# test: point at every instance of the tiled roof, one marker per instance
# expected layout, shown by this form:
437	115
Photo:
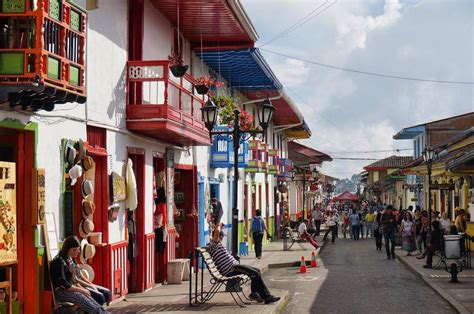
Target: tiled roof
390	162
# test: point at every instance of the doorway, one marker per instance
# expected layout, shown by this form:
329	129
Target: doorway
160	209
136	220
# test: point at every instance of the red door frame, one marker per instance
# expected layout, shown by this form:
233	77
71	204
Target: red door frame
137	282
26	283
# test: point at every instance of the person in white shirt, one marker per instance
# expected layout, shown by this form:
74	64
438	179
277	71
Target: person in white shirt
445	223
331	222
303	231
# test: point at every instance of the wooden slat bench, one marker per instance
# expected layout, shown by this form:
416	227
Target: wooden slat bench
217	281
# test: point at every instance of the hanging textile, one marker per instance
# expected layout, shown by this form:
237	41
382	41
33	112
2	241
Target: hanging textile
132	200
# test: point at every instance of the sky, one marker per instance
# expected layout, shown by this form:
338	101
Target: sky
352	114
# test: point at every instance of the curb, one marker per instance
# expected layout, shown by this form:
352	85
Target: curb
455	303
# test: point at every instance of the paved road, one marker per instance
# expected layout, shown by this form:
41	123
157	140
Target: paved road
355	278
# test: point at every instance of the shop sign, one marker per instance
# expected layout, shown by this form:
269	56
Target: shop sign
442	186
8	219
414	199
38	196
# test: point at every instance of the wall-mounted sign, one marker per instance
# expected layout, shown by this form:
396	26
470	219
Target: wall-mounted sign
8	225
38	196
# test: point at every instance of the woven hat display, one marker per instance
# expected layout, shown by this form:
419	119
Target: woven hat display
70	153
88	206
75	173
87	250
87	188
81	151
86	226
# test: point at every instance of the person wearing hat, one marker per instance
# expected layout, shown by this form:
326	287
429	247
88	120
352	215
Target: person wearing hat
217	211
66	287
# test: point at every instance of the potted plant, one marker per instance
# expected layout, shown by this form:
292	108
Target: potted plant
245	120
176	65
203	83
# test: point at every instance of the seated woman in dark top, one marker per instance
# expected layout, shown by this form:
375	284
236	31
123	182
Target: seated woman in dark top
66	288
436	243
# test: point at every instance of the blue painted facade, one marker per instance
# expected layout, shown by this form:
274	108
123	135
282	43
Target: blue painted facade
222	151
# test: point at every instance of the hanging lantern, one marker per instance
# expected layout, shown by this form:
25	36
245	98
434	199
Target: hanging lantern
209	114
265	113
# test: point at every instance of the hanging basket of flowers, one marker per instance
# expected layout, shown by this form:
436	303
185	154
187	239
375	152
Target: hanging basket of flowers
203	83
176	65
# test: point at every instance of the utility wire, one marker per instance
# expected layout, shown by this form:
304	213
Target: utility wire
299	23
354	158
369	73
371	151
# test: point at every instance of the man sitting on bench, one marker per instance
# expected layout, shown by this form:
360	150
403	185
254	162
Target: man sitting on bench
228	266
303	230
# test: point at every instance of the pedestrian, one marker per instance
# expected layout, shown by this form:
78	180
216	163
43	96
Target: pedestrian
229	266
418	228
303	231
354	219
407	228
317	217
378	232
425	222
460	221
444	223
389	223
369	224
331	222
217	211
436	244
362	214
345	224
258	229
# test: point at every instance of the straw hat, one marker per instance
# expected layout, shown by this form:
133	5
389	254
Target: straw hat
75	173
87	188
88	206
70	153
89	165
87	251
86	226
88	271
81	151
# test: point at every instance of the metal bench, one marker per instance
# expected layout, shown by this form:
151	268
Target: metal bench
217	281
292	235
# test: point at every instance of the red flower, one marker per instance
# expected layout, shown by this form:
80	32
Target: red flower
207	81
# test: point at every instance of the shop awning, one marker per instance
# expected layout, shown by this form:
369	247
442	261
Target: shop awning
346	196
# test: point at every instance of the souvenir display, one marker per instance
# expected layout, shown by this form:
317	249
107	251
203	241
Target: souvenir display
8	223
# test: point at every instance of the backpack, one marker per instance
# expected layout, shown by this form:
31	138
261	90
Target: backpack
257	225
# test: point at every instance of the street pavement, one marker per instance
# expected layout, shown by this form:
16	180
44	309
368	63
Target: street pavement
355	278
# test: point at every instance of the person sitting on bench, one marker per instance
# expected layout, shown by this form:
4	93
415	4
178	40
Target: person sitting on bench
303	230
66	289
436	244
229	266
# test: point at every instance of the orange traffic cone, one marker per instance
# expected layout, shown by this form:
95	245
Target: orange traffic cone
303	265
313	260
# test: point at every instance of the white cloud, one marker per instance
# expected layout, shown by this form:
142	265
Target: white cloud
291	72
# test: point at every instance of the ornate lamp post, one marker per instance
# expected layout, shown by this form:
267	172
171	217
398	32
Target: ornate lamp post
210	112
428	156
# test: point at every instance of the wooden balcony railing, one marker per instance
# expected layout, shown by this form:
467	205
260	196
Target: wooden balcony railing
154	93
42	49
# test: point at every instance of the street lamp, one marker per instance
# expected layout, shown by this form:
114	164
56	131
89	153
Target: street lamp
209	114
428	156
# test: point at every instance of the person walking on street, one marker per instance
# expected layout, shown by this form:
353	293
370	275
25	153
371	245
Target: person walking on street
362	223
345	224
317	218
354	219
407	228
331	222
378	232
418	227
389	224
425	222
369	224
258	229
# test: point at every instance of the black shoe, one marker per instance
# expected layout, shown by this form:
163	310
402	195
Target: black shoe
427	266
388	256
255	297
420	256
271	299
393	256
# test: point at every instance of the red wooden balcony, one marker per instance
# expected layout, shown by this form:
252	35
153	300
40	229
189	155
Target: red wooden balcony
42	48
162	106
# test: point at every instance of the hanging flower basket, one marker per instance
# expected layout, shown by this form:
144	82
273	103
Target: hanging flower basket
179	70
176	65
282	188
201	89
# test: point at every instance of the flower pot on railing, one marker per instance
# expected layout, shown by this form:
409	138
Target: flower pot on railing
178	70
201	89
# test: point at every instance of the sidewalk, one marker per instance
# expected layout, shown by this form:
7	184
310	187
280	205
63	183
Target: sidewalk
174	298
459	295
